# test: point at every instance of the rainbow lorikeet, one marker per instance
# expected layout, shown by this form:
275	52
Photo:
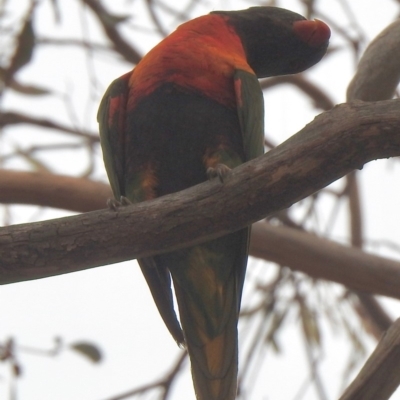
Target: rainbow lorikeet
192	105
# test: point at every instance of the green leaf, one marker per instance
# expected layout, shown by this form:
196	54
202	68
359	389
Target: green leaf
24	49
310	325
88	350
276	323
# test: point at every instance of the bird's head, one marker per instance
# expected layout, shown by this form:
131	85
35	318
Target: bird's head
278	41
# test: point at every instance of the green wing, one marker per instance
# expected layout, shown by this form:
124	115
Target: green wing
112	119
250	108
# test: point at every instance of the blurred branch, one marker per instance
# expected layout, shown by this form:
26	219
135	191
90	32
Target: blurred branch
180	14
321	99
350	134
12	118
378	72
154	17
353	193
379	377
109	23
48	190
324	259
72	42
377	76
165	383
24	47
355	43
371	310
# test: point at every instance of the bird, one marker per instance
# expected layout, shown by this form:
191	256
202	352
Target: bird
191	110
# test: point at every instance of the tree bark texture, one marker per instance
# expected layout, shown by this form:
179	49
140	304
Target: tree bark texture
335	143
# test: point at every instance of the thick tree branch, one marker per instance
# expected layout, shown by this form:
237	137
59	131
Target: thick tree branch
296	249
335	143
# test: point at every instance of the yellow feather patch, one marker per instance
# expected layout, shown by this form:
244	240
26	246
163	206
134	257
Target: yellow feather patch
142	185
222	154
214	351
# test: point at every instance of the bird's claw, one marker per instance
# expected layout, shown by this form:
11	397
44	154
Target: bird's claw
221	171
113	204
125	201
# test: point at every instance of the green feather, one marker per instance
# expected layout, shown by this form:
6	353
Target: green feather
250	108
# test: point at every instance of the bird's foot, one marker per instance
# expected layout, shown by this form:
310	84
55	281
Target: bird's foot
114	204
221	171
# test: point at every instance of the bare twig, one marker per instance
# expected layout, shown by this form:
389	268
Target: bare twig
165	383
157	23
371	310
109	24
72	42
379	377
12	118
321	99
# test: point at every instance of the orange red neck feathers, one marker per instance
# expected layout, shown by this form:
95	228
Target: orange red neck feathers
200	56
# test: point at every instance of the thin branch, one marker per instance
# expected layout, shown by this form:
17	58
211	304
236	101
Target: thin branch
321	99
354	42
157	23
379	377
109	24
72	42
165	383
330	147
371	310
12	118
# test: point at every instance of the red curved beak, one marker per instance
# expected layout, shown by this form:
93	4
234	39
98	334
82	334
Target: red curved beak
314	33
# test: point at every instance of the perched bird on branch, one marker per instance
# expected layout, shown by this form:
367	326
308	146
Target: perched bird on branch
190	110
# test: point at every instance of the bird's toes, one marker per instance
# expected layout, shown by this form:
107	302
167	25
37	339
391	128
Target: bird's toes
114	204
221	171
125	201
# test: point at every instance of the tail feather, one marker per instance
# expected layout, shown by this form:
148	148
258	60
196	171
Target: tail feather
208	282
215	362
220	381
159	281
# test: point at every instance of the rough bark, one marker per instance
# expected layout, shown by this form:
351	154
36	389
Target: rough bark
334	144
